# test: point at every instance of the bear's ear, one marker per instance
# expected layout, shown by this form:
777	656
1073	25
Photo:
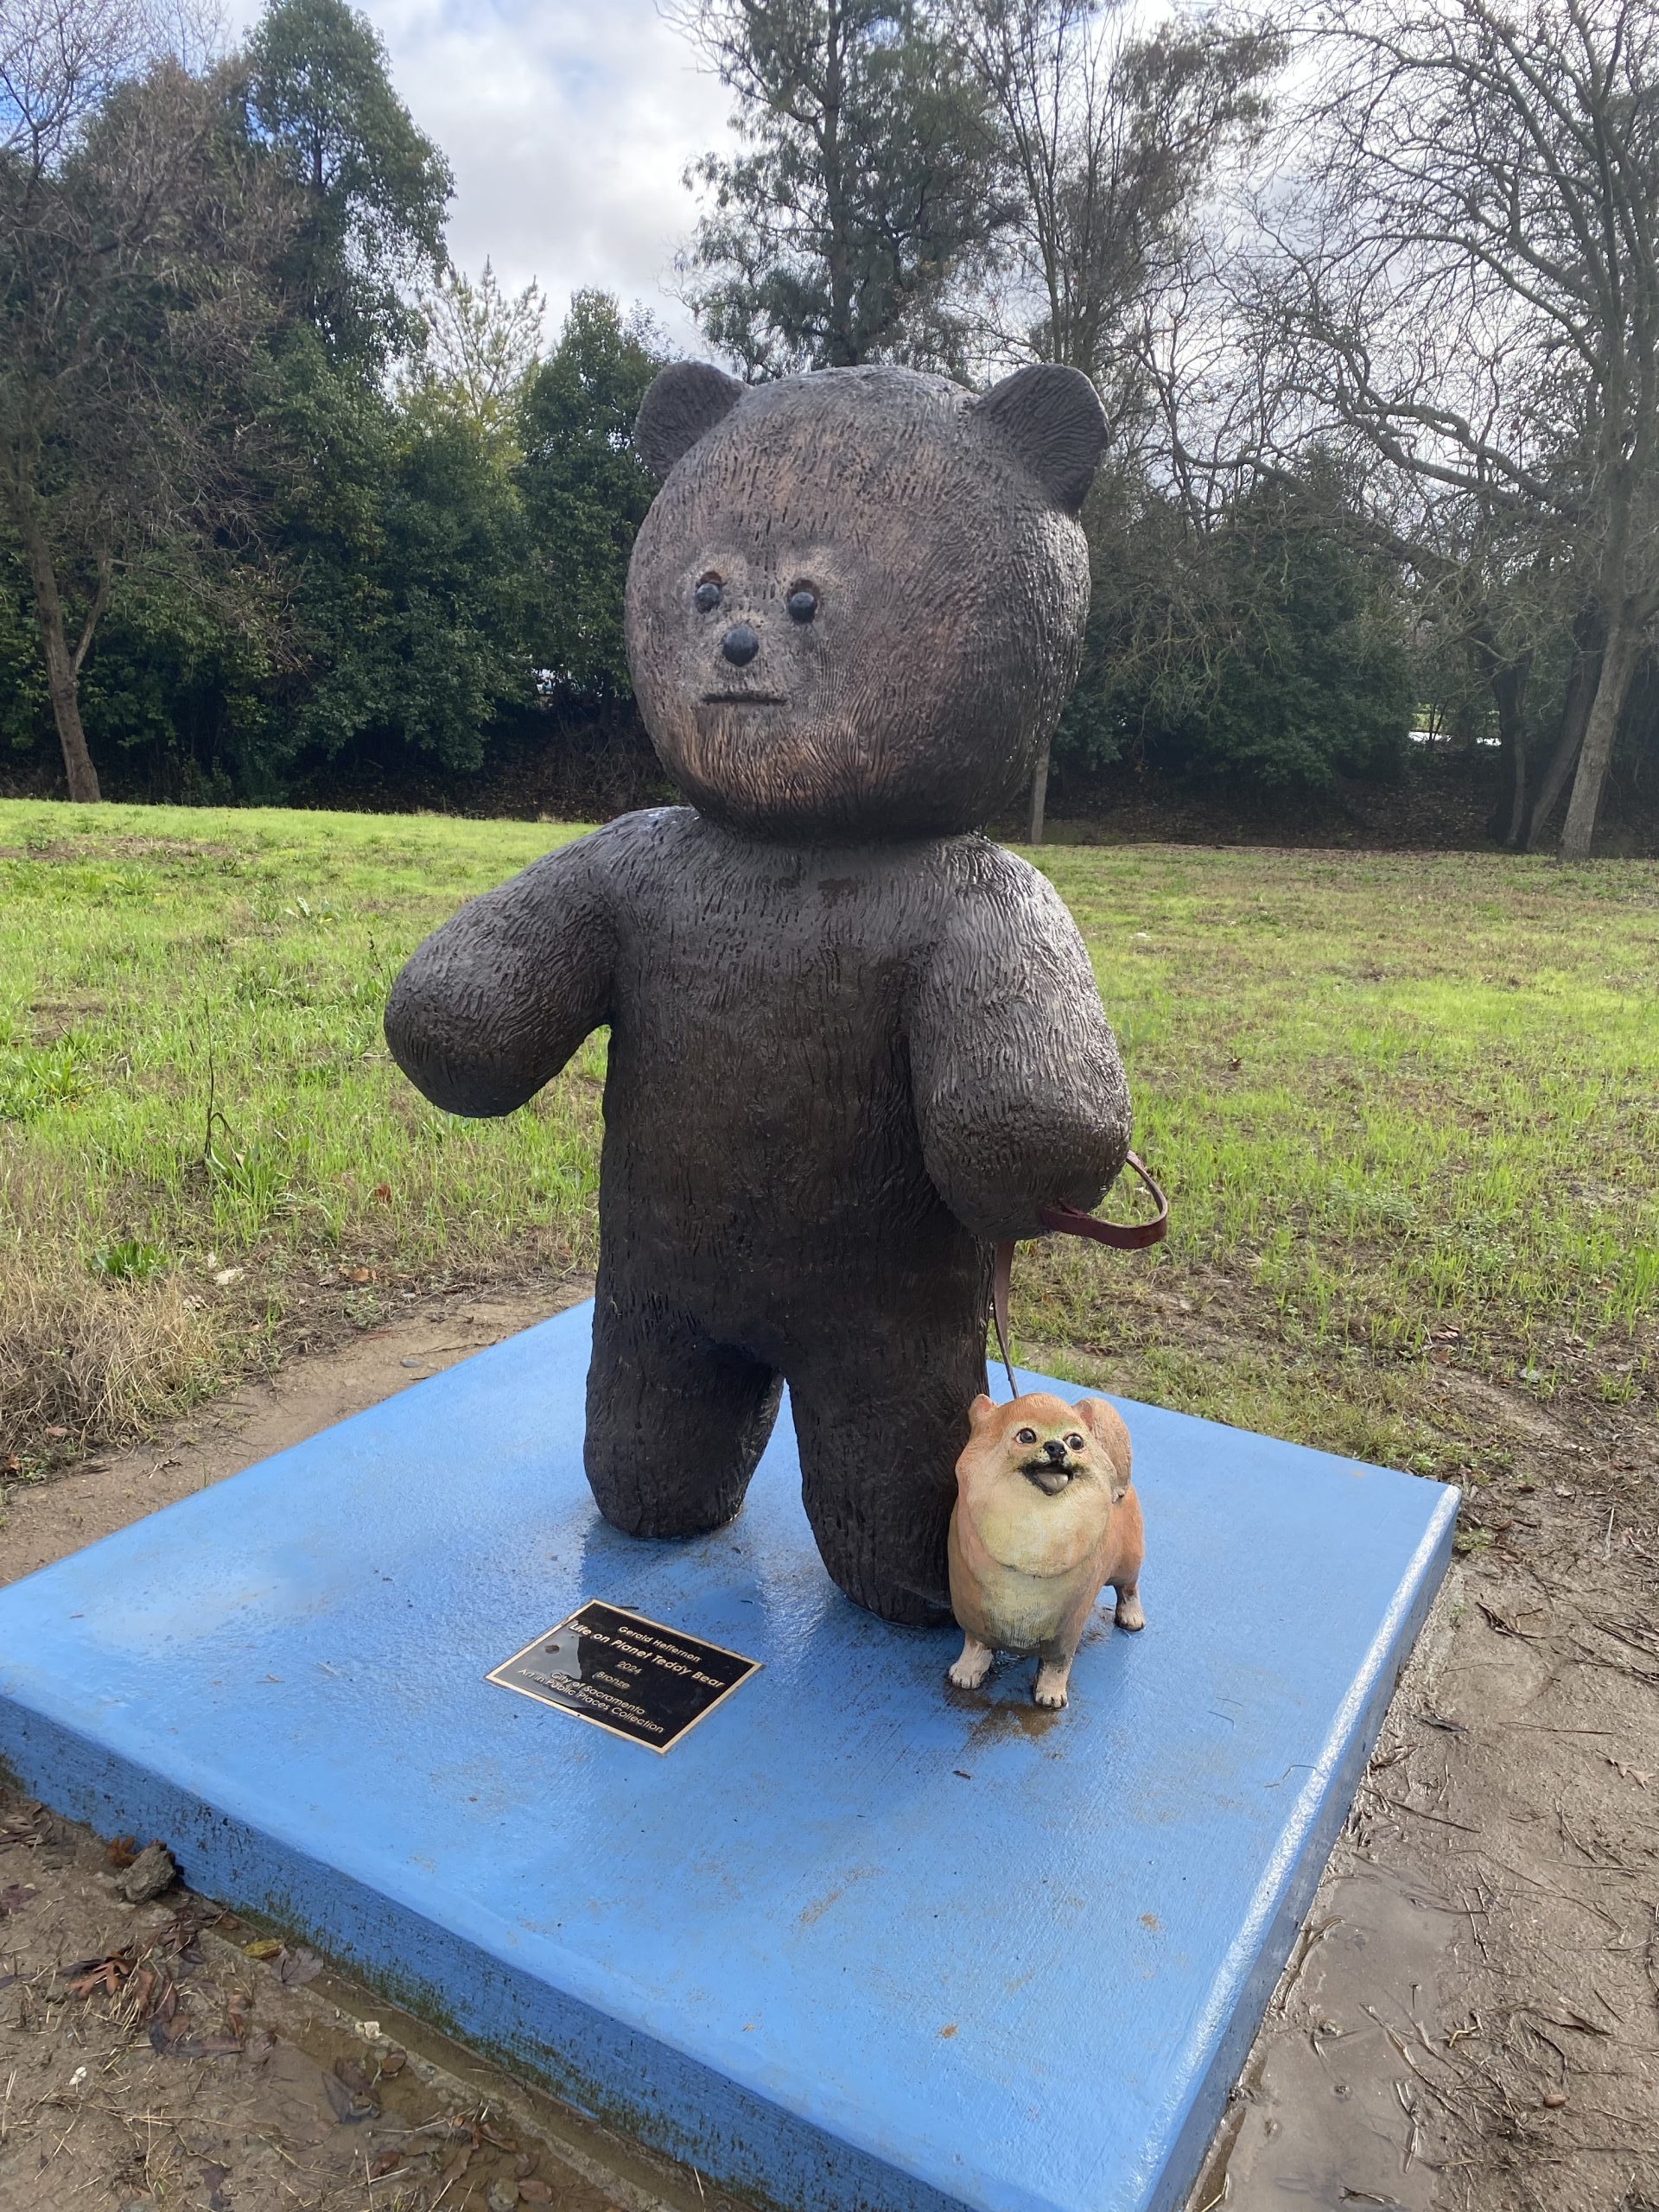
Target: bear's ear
1054	419
682	402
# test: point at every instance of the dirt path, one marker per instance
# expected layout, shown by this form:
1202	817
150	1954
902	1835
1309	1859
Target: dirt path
1472	2019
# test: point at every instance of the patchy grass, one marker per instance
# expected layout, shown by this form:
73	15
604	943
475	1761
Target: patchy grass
1406	1107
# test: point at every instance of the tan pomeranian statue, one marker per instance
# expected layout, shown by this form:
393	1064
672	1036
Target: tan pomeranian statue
1046	1516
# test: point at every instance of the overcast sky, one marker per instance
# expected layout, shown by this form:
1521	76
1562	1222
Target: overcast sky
568	124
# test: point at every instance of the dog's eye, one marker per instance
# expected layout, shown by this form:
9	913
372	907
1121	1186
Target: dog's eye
1025	1436
1075	1443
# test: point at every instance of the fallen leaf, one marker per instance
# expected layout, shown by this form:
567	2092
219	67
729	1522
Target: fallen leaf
394	2062
121	1851
11	1464
297	1966
55	1433
348	2071
14	1899
88	1975
349	2109
387	2163
227	1276
531	2191
264	1946
383	1191
1641	1775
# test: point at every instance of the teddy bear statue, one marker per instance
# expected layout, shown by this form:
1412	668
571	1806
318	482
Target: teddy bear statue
853	1043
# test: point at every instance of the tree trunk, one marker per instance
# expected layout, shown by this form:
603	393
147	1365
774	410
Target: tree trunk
1575	714
62	667
1596	753
1038	795
1508	820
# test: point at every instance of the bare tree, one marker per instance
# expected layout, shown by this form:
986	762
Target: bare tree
1112	133
121	300
1468	278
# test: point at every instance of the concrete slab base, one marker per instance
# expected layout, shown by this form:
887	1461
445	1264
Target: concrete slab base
855	1940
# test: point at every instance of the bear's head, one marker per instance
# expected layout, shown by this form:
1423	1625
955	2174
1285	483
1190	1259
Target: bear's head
856	606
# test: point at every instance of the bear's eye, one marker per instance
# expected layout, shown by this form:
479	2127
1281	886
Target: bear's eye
1025	1436
706	598
802	603
1075	1443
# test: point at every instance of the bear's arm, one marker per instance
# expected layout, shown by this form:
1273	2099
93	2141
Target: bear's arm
491	1006
1018	1091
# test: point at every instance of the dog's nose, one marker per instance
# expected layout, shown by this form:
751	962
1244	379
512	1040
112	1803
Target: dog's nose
740	645
1056	1451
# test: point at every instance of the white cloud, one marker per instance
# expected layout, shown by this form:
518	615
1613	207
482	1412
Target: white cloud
568	123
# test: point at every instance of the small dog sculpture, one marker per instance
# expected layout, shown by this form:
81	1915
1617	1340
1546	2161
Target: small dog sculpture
1046	1516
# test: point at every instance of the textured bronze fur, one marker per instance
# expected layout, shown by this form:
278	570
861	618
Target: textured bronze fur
1046	1516
852	1043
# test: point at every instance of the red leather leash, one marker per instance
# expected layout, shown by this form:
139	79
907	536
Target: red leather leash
1071	1221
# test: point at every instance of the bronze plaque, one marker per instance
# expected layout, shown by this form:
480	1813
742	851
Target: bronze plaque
625	1673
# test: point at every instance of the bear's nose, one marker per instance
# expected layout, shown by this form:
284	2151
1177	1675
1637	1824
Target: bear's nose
1055	1450
740	645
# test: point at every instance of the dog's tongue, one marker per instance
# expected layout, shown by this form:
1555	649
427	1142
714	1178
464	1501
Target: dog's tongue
1051	1480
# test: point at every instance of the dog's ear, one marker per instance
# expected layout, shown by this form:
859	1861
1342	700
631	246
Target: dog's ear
1107	1428
980	1412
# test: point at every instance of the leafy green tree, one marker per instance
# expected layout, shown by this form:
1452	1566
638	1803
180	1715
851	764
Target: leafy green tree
868	183
1272	648
585	490
401	546
372	189
132	236
480	346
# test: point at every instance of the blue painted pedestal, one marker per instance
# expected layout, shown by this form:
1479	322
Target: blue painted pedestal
856	1941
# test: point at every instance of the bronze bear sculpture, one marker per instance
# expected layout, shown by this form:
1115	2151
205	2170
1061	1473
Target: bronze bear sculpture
853	1043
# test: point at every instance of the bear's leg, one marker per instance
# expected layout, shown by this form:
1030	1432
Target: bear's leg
879	1427
675	1421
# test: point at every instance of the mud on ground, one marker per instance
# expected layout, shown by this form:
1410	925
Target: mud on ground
1471	2016
1471	2019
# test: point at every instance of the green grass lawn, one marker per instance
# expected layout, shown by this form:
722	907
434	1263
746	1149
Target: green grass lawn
1406	1107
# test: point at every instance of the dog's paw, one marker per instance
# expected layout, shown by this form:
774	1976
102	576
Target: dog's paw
1129	1614
967	1673
1049	1691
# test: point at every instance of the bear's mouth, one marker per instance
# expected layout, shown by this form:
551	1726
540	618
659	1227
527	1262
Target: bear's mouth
744	699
